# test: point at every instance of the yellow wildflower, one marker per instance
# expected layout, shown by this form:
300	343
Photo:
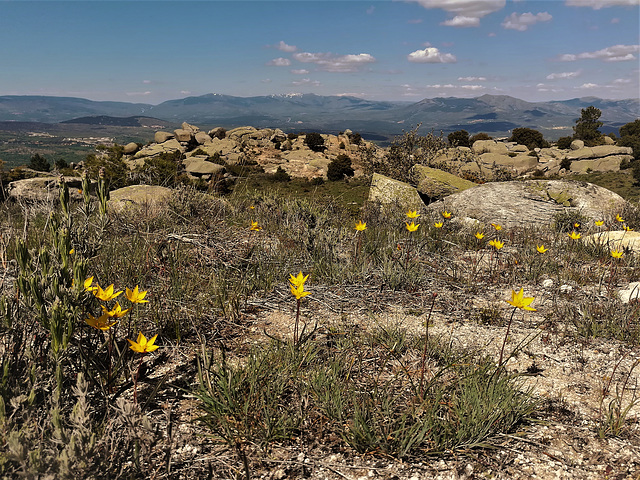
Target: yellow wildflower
541	248
103	322
361	226
255	227
412	227
599	223
626	228
135	296
518	300
576	225
497	244
446	214
106	294
413	214
438	224
574	235
298	291
496	226
619	218
87	285
616	254
116	312
298	280
142	345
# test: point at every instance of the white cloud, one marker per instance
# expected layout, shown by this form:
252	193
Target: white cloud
471	87
431	55
556	76
279	62
185	92
336	63
616	53
472	79
146	82
466	13
462	21
588	86
300	71
525	20
135	94
621	81
306	81
283	47
598	4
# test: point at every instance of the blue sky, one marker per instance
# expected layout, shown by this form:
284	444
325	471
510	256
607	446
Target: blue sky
150	51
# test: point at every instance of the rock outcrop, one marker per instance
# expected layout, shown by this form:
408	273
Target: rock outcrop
519	203
206	153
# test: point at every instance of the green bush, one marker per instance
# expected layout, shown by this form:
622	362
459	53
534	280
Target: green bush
564	143
529	137
339	168
459	138
479	136
630	137
314	141
280	175
39	163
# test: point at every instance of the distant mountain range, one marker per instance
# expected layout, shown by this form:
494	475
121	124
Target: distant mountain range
496	115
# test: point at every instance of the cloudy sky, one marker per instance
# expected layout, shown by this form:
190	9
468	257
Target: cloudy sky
152	51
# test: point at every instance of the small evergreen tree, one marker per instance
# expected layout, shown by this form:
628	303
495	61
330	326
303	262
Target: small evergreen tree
587	126
39	163
339	168
630	137
459	138
479	136
314	141
529	137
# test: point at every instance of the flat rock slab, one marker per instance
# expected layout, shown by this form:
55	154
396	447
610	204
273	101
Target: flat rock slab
529	202
152	196
616	240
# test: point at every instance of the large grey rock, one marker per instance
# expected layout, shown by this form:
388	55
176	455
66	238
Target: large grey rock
519	163
531	202
183	135
161	137
615	240
437	184
170	146
608	140
236	133
187	127
388	191
43	189
131	148
577	145
489	146
198	168
152	197
605	164
202	138
598	152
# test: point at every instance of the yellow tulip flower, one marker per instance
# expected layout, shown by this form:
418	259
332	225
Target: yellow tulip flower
142	345
619	218
599	223
574	235
616	254
413	214
438	224
255	227
479	235
518	300
135	296
496	226
446	214
412	227
298	280
298	291
87	285
116	312
541	248
361	226
497	244
103	322
106	294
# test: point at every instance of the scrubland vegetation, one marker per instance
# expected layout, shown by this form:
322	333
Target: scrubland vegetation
122	330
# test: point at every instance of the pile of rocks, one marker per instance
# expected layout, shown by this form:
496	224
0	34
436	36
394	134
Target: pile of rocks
206	153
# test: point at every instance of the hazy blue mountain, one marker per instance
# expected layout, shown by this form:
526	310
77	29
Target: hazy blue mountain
493	114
